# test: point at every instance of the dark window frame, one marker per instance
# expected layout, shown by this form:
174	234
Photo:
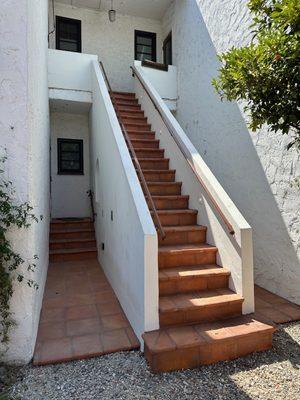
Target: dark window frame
76	22
167	40
62	171
152	36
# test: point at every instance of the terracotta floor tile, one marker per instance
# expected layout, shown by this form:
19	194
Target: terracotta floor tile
57	350
51	330
52	315
184	336
116	340
275	315
82	327
110	308
81	312
104	297
132	337
292	310
87	345
117	321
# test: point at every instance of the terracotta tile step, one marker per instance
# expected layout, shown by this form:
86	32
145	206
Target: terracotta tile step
142	127
123	95
149	153
154	175
65	224
177	217
176	348
129	107
133	119
200	306
185	234
73	254
73	243
87	233
125	101
176	202
145	143
194	278
164	188
154	163
133	135
128	113
183	255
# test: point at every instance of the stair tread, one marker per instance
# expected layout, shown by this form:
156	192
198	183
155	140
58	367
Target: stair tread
177	211
77	250
191	300
186	247
164	183
71	240
73	230
160	171
71	221
177	337
183	228
192	271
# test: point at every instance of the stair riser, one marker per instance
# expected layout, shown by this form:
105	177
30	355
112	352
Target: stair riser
171	204
190	284
134	120
186	258
72	235
138	127
130	107
125	97
201	314
132	113
208	353
71	225
158	190
73	256
145	136
126	102
159	177
178	219
73	245
149	154
149	145
159	164
186	237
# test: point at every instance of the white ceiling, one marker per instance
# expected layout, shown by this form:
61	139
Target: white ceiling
140	8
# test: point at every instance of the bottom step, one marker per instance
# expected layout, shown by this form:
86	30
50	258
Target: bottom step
72	254
183	347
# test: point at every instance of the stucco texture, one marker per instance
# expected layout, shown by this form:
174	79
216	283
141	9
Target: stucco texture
255	169
25	135
112	42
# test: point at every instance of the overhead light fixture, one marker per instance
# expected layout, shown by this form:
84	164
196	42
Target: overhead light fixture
112	13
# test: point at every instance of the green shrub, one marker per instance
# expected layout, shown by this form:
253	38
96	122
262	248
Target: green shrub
266	73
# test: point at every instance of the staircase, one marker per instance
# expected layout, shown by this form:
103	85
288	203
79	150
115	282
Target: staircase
200	318
72	239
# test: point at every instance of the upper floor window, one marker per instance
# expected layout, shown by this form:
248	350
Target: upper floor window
68	34
145	46
167	49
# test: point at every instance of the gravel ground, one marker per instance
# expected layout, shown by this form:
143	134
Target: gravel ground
274	374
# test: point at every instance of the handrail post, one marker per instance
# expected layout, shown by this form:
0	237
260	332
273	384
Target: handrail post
133	155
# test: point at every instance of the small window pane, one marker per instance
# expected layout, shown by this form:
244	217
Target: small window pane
144	40
68	34
70	156
143	49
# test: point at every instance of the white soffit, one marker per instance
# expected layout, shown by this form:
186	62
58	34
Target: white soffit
140	8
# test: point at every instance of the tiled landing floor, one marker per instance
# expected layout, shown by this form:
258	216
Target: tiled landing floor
270	307
81	316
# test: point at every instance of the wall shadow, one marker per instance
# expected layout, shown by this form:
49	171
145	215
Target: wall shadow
219	132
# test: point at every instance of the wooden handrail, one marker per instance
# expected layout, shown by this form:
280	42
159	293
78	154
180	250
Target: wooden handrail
134	157
217	207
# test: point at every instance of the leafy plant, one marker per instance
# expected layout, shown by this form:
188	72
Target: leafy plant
266	73
18	216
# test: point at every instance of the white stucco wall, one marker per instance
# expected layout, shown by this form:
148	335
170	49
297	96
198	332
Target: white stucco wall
69	192
112	42
24	131
255	169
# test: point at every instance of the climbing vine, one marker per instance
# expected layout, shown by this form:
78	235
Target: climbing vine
12	215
